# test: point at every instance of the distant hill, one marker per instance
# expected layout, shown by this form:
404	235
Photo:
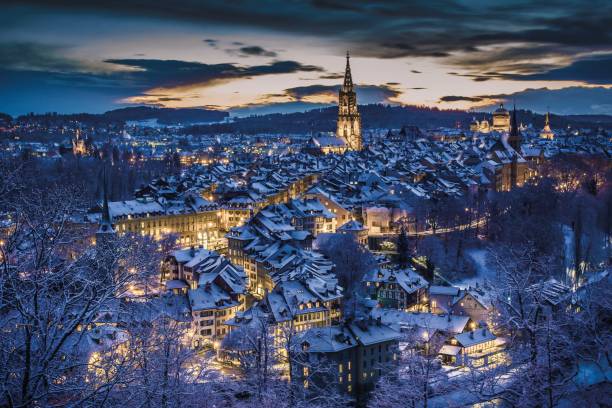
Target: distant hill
166	116
207	121
381	116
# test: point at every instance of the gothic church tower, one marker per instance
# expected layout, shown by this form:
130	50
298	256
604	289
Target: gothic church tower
349	121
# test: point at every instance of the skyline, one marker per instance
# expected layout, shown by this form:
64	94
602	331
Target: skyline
67	57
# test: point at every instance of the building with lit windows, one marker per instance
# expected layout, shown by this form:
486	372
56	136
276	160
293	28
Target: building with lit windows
396	288
276	240
192	219
546	132
501	119
214	287
353	356
476	348
470	302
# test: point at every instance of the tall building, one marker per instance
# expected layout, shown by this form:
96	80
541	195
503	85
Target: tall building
501	119
78	144
349	121
105	236
514	139
506	167
546	132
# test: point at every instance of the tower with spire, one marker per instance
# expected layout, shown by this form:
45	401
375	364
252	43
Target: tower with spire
78	144
514	138
546	132
106	237
106	222
349	120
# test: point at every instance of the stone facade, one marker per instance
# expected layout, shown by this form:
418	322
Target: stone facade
349	120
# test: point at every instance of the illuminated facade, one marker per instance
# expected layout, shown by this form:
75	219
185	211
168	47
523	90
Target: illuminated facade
476	348
546	132
349	120
214	286
501	119
481	127
145	217
507	168
358	353
78	144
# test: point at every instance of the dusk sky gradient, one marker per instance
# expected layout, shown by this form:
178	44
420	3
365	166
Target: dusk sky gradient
279	55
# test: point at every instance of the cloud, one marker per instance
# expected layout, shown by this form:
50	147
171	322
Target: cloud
395	28
454	98
28	68
366	94
29	56
597	70
257	51
339	75
152	73
212	42
564	101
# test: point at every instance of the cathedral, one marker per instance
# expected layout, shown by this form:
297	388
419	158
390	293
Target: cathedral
348	131
349	121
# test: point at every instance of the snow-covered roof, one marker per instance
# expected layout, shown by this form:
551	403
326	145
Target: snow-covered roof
368	332
330	339
399	319
444	290
408	279
475	337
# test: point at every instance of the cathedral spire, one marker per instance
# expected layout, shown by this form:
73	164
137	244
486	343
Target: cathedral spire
514	139
348	78
349	121
106	222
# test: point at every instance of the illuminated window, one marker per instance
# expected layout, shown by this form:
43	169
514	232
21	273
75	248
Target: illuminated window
340	368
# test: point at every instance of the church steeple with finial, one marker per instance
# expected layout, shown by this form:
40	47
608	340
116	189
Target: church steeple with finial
349	121
547	132
348	78
514	139
106	221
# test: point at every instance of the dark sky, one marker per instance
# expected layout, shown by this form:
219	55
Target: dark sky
256	56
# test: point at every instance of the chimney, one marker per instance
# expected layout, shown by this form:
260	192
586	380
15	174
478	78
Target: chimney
472	335
192	251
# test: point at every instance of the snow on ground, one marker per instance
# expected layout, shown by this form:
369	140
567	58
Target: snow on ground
590	373
483	271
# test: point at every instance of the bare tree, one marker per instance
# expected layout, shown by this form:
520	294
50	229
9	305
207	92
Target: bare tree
53	289
417	377
352	262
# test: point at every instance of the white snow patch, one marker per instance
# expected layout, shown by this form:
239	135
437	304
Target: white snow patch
483	271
